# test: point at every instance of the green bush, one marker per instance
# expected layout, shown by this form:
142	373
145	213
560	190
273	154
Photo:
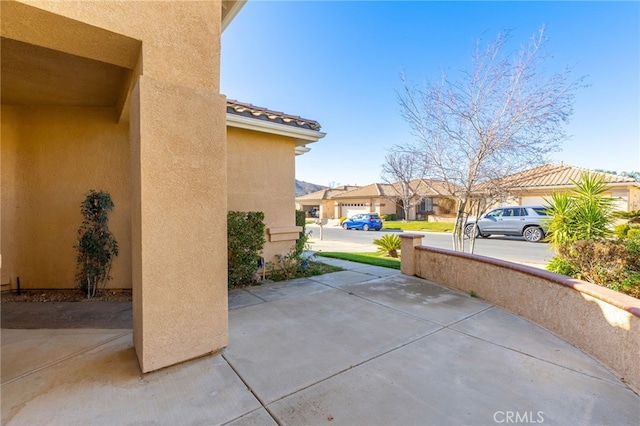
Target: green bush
390	216
301	242
633	232
583	214
388	244
621	230
245	241
560	266
96	245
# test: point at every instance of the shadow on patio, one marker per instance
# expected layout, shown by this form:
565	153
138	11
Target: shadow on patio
359	347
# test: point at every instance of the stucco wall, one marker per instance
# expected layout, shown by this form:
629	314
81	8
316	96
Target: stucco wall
177	170
51	157
181	38
602	322
261	174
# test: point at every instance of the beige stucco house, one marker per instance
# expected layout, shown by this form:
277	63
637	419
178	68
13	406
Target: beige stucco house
533	186
381	198
125	97
322	201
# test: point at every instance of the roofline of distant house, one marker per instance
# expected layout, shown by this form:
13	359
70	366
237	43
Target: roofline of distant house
569	186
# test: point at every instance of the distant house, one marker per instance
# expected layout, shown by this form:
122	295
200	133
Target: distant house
533	186
381	198
322	201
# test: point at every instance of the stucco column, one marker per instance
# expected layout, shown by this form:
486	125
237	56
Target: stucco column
179	210
408	244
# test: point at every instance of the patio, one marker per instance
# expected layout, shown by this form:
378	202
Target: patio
363	346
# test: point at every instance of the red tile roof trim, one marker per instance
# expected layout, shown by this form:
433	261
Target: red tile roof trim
260	113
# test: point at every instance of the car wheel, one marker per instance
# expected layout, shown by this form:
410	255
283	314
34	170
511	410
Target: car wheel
533	234
365	227
345	226
468	229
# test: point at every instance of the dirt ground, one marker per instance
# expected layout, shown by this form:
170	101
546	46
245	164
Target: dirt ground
66	296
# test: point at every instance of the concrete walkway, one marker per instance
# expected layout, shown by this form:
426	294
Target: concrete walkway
364	346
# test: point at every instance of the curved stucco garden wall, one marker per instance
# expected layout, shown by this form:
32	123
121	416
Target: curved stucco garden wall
601	322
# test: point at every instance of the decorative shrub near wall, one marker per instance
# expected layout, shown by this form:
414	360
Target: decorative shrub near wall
96	244
245	241
301	242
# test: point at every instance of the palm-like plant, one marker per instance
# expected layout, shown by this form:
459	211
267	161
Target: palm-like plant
388	244
583	214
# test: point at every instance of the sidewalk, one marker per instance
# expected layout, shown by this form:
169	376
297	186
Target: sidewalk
364	346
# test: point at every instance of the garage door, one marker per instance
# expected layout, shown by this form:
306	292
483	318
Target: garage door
533	201
348	211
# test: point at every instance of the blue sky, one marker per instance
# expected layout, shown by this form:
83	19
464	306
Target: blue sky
340	63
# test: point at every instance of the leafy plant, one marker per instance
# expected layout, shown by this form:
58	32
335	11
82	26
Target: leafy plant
245	241
621	230
632	216
583	214
388	244
560	265
96	245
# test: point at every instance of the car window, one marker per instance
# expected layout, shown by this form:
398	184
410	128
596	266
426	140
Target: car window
540	210
495	213
375	216
509	212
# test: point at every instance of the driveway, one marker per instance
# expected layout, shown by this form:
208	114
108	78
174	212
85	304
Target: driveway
364	346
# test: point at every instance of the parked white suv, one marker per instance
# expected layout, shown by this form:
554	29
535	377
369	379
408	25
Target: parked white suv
529	222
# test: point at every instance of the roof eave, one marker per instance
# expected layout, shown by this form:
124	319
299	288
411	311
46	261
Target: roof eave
301	136
230	9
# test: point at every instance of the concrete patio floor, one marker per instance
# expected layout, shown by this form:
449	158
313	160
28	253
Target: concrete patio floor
364	346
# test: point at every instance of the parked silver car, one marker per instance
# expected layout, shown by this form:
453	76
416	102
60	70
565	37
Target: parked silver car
529	222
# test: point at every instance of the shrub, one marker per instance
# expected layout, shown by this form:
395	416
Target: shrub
621	230
245	241
585	214
560	266
633	233
391	217
301	242
447	205
388	244
599	262
96	245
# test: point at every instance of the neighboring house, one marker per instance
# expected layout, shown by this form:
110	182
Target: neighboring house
261	168
125	97
383	198
533	186
322	201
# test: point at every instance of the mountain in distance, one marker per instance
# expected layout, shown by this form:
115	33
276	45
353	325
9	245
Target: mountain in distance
304	188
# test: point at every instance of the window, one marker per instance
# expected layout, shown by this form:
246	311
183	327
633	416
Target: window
426	205
495	213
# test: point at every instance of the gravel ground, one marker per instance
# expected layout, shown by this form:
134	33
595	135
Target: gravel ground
66	296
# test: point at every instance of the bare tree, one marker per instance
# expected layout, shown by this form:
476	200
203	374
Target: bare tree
401	169
504	114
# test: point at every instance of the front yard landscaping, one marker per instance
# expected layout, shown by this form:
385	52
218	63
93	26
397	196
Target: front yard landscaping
376	259
418	225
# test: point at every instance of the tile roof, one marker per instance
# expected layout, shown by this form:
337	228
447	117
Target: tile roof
550	175
425	187
326	194
260	113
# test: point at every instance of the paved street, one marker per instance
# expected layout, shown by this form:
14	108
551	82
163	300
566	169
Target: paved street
513	249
